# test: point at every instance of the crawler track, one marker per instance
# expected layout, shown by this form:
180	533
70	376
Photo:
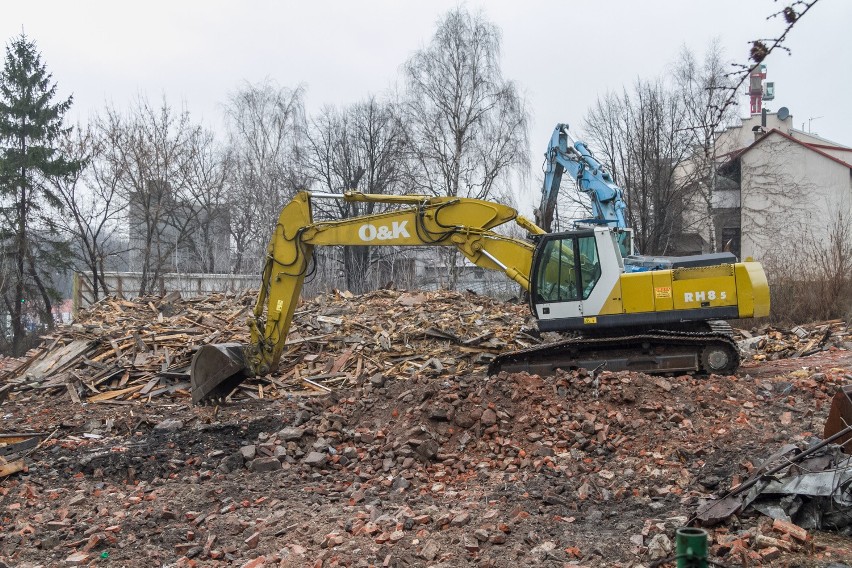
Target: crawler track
652	351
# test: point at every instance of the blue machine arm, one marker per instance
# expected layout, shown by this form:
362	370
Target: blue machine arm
607	200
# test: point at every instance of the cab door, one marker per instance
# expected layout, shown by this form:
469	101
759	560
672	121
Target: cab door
556	287
569	285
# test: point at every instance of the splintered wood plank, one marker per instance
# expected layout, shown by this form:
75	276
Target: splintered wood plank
55	360
236	315
72	392
141	359
108	395
313	339
341	361
182	336
9	468
96	360
106	375
316	385
478	338
317	392
18	437
116	349
140	345
150	385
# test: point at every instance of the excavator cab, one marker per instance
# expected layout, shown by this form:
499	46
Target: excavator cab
567	268
624	238
573	272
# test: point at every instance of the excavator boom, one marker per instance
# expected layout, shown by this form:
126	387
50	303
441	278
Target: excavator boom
417	221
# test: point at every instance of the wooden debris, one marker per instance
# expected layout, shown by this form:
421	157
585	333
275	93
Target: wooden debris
135	351
316	385
11	444
114	394
122	350
14	447
58	358
8	468
771	343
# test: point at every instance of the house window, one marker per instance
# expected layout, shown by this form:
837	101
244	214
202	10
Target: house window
731	240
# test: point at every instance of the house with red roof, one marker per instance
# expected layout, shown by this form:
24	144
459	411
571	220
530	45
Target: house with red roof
779	191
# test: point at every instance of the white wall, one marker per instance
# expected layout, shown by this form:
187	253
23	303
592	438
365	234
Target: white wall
789	193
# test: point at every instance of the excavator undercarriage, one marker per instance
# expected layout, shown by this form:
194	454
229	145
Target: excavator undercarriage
684	350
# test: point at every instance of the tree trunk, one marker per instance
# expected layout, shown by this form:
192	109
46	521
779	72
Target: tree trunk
18	331
100	276
712	232
355	264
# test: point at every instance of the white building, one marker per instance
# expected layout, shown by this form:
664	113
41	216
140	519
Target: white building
778	189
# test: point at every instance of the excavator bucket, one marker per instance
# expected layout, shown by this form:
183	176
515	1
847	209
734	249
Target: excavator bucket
216	370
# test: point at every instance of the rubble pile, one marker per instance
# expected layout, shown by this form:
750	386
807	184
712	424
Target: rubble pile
122	350
410	455
772	343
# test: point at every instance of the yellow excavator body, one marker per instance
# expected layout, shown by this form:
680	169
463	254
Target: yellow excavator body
576	280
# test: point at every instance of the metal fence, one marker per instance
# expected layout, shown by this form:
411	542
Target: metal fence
126	285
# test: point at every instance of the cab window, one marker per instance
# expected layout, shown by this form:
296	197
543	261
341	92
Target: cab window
625	244
590	264
557	276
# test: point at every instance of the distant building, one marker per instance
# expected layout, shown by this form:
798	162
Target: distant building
776	187
181	236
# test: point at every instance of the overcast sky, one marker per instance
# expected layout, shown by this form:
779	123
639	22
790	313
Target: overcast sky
562	55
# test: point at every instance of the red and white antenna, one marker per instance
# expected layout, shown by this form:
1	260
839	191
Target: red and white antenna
757	91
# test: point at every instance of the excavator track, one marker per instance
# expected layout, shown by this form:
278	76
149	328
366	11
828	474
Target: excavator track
652	351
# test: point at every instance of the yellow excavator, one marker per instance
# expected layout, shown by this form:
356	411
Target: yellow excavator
654	315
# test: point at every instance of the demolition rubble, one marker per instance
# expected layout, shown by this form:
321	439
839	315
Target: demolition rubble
381	441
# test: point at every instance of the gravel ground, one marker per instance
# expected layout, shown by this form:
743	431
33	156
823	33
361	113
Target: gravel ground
515	470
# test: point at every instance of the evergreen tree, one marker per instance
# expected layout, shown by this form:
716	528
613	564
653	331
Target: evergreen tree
30	130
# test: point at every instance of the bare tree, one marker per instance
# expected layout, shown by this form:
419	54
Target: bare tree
266	127
810	271
467	125
149	149
641	136
791	14
92	207
703	88
206	191
360	147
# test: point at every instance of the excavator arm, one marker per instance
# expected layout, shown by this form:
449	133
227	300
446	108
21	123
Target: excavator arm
565	154
417	221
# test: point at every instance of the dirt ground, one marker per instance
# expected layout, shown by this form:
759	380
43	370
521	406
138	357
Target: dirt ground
429	470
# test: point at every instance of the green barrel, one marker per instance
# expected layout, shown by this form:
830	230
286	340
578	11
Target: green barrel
691	547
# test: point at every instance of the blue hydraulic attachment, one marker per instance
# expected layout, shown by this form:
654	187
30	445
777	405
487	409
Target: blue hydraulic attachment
608	204
592	177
